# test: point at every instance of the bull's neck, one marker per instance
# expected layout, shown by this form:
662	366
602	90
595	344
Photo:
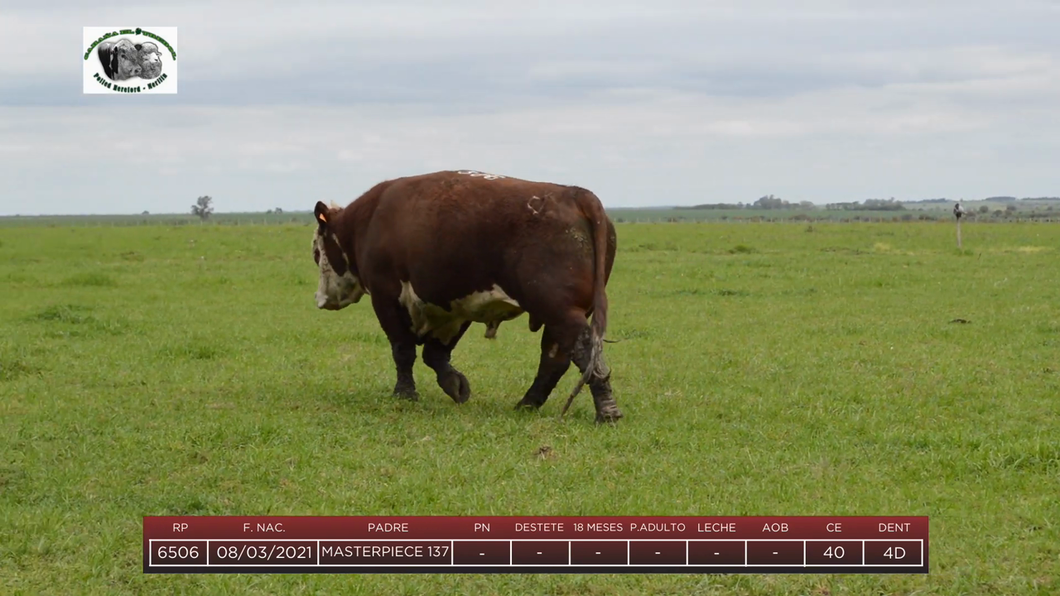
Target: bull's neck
344	233
351	224
353	221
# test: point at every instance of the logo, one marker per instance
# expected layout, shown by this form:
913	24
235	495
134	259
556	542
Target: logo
138	60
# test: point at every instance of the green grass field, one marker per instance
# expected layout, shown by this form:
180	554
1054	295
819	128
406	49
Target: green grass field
764	369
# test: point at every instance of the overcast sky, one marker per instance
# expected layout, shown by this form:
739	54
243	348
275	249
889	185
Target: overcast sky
656	102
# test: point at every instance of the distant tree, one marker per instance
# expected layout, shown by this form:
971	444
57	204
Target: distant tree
771	202
203	208
883	205
1010	208
278	210
848	206
145	212
984	209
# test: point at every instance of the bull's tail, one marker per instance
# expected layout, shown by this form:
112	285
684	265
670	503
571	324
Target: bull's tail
594	211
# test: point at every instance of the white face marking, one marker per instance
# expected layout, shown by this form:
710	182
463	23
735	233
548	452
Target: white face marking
490	307
335	291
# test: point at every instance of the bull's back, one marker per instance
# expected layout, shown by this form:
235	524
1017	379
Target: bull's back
452	234
454	211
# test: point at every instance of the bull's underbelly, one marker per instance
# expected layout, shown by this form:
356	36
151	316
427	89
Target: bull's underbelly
490	307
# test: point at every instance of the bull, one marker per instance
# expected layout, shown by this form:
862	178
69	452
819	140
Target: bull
440	251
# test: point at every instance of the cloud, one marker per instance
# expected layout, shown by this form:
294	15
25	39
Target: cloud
648	103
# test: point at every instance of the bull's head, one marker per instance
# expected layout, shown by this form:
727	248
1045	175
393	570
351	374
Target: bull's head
339	285
127	59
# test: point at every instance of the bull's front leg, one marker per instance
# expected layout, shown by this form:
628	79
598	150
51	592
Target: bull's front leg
398	328
404	357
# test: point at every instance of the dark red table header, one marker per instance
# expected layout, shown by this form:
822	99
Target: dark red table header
460	528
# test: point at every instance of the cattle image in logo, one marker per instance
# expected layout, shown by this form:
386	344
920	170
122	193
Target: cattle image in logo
150	60
123	59
438	252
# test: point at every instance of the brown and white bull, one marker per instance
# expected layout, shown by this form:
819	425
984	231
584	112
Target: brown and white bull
439	251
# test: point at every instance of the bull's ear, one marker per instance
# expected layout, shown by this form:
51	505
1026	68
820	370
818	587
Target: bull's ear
321	213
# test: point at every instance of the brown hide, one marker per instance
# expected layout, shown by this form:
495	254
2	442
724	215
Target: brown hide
452	234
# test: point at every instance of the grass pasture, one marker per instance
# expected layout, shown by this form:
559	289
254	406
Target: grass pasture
764	369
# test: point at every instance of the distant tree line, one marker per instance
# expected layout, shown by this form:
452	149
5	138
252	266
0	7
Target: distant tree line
998	199
869	205
928	201
766	202
771	202
203	208
716	206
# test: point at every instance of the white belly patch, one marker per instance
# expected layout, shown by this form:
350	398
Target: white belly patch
490	307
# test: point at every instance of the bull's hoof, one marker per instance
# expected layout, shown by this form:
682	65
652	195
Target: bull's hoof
455	385
406	392
529	403
608	412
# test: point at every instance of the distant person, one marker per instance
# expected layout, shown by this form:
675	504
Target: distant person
958	211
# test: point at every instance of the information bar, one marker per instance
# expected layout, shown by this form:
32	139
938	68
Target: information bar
535	544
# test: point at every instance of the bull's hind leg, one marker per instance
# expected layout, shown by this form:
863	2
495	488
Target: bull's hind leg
550	370
599	380
561	344
436	355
